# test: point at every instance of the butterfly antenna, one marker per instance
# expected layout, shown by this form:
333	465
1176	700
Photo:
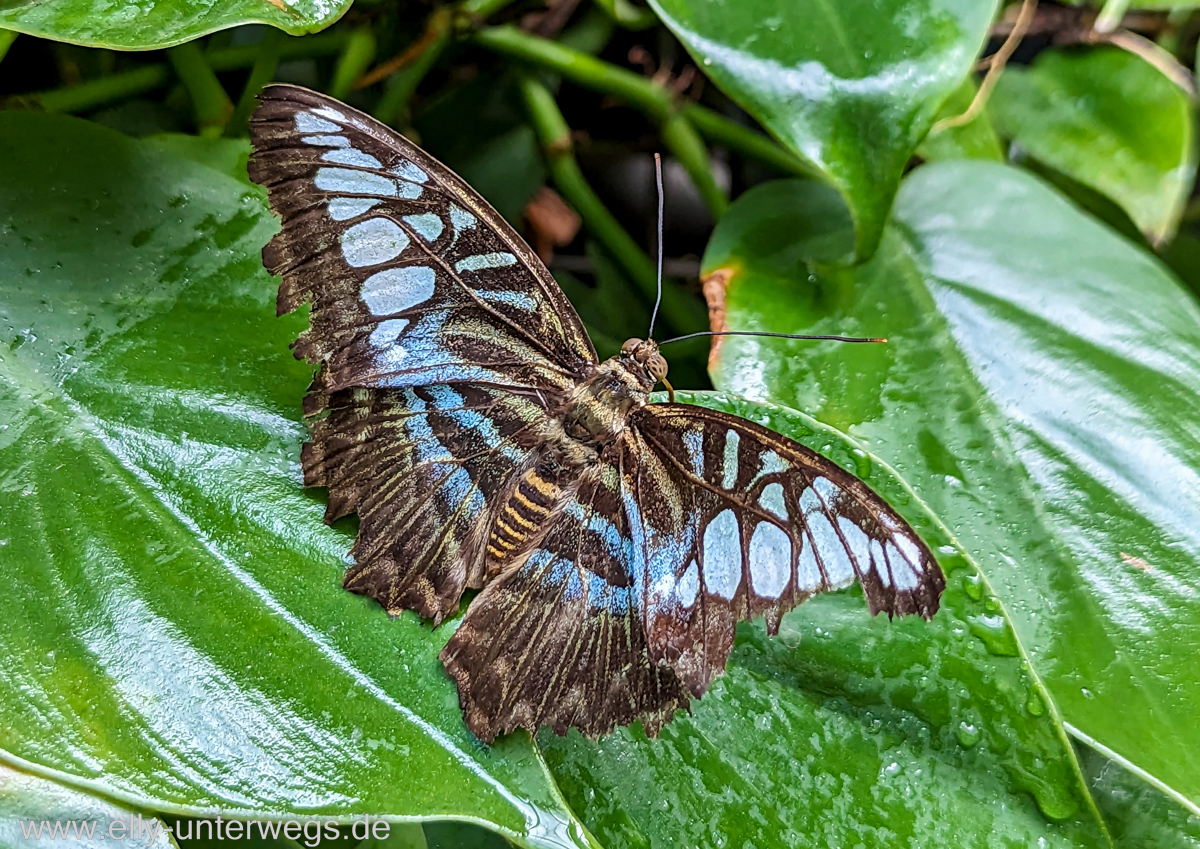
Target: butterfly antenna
658	297
775	335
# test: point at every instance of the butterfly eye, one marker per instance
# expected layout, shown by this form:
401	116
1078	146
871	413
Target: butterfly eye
657	366
630	346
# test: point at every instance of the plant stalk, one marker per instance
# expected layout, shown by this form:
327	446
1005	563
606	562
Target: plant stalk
678	309
209	100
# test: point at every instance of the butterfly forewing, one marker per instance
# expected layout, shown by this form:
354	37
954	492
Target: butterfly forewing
413	278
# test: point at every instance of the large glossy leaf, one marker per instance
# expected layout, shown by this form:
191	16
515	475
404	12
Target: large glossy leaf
1039	392
847	730
1111	121
40	814
128	25
172	624
852	86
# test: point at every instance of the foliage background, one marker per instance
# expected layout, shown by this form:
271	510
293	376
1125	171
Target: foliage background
176	642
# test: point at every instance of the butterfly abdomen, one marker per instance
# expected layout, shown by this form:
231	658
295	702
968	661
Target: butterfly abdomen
520	523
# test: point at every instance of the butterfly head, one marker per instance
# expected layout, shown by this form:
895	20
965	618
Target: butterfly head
642	356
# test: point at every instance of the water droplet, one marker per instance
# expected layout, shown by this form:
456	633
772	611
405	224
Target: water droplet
995	635
968	734
1087	694
862	463
1034	704
973	586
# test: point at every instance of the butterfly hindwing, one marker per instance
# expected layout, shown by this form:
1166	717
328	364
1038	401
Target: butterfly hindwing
559	641
738	521
420	467
413	278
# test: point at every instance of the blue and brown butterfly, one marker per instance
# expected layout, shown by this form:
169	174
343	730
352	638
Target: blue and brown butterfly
460	410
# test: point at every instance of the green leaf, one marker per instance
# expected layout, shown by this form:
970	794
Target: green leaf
1140	816
39	814
973	140
173	628
846	729
1111	121
1039	393
154	24
852	86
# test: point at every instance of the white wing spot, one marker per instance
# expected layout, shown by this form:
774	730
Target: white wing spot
373	242
331	114
771	499
388	332
830	551
808	576
732	440
770	560
410	172
879	564
688	586
693	443
395	290
856	539
909	549
326	141
770	464
427	224
484	261
342	209
307	122
826	489
722	556
906	576
350	156
514	299
345	181
461	220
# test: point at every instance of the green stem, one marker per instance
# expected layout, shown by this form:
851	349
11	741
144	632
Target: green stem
7	37
209	99
392	108
685	143
720	130
115	87
484	8
678	126
587	71
680	137
645	94
261	73
628	15
105	90
355	59
680	310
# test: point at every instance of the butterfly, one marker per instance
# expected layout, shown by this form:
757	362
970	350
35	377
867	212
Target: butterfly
461	411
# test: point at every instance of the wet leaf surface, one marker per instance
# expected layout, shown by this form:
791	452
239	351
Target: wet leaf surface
1039	393
173	625
160	23
851	86
1111	121
846	729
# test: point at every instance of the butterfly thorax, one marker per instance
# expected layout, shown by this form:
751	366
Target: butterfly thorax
596	412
